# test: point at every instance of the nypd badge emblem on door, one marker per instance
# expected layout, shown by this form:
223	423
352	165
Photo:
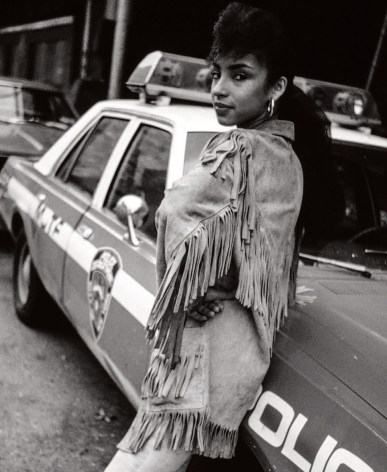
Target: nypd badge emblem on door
103	271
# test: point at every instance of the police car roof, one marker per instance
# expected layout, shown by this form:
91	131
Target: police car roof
192	116
357	137
197	117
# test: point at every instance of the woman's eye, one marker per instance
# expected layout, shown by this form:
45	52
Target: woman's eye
239	77
215	74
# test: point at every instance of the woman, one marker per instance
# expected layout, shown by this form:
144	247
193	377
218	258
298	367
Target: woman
225	231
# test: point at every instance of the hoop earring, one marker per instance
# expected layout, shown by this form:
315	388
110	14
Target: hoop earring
270	107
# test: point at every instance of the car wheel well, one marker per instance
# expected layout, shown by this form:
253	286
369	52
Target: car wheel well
33	305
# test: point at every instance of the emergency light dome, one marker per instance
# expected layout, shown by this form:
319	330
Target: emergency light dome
348	106
162	74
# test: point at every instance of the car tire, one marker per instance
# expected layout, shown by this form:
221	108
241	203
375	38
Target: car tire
29	295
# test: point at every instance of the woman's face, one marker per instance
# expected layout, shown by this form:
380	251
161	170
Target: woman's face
239	90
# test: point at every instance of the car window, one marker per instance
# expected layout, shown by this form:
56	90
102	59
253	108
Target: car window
31	104
354	188
143	172
363	176
195	143
361	237
377	172
8	103
86	161
36	105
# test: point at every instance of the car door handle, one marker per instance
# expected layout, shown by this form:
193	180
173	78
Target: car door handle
85	231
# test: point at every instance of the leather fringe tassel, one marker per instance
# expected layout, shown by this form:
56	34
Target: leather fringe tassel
161	380
190	430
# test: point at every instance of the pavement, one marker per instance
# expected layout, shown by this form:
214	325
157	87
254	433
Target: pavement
60	411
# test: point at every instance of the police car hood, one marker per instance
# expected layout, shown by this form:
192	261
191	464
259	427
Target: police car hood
27	139
344	329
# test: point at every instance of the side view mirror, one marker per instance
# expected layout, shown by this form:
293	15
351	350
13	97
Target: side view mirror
134	210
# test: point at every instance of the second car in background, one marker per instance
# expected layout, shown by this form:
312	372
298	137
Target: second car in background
32	117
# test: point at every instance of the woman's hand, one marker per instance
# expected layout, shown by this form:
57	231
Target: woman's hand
211	304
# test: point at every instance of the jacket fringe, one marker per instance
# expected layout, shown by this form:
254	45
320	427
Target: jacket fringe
161	380
206	253
191	430
198	262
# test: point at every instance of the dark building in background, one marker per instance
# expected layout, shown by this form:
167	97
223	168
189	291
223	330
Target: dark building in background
37	40
71	43
39	50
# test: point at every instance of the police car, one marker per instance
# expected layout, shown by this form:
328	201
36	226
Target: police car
78	216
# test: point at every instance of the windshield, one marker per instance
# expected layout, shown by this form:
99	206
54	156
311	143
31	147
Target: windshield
31	104
361	238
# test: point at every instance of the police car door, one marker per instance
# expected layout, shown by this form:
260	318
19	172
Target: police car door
63	202
118	284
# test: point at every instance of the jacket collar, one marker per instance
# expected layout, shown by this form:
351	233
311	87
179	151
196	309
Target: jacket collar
282	128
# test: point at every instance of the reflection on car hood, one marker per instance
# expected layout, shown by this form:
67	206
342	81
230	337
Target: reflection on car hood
345	329
26	139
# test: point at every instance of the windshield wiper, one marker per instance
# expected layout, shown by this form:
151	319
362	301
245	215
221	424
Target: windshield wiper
360	269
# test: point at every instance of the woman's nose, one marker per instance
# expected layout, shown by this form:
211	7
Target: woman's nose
219	88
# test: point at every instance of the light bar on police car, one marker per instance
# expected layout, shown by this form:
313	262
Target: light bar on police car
343	104
162	74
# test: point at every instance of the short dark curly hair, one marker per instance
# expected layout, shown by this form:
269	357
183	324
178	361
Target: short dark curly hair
242	29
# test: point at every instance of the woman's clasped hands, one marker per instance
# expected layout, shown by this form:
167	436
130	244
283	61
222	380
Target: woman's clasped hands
211	304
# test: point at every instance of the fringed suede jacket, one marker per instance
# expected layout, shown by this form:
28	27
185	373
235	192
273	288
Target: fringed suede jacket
230	224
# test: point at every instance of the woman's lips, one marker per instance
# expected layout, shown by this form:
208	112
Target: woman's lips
221	108
221	105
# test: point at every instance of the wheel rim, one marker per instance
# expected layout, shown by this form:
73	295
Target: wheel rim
24	274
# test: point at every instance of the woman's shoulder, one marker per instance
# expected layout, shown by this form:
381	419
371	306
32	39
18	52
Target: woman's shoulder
270	130
251	141
227	144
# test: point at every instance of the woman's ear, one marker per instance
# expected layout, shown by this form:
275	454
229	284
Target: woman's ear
279	88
